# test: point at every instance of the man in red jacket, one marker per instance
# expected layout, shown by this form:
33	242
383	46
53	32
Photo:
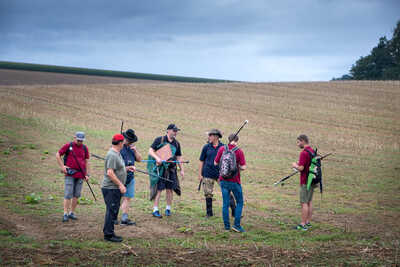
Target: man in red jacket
306	195
75	166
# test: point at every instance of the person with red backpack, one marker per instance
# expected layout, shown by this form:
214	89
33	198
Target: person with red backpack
75	166
231	161
303	166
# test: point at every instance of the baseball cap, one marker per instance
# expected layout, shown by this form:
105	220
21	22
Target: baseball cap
118	137
173	127
80	136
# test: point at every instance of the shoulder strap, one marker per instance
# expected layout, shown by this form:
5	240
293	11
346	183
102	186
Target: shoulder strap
235	148
162	139
226	147
312	155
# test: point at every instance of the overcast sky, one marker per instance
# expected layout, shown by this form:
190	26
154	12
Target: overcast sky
253	40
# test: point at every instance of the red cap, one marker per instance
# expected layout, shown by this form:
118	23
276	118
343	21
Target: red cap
118	137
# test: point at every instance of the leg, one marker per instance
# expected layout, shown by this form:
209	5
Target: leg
304	213
74	203
169	197
232	204
157	198
208	186
126	199
310	211
238	193
112	198
67	205
225	203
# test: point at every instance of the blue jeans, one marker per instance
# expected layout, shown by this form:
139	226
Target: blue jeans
236	189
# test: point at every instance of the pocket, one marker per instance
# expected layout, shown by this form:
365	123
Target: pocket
69	180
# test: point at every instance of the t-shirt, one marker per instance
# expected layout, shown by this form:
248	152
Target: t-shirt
114	161
129	158
208	154
81	156
240	160
305	160
174	142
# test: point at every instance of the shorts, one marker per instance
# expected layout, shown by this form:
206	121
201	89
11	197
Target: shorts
163	184
72	187
130	190
208	186
306	195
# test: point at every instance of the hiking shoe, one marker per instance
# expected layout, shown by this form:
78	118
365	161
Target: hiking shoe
167	212
157	214
308	225
238	229
113	238
65	218
227	228
127	222
301	227
72	216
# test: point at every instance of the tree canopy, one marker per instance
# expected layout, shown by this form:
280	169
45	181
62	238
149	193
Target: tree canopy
383	63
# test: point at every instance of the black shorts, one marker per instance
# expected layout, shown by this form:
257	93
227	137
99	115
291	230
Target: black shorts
164	184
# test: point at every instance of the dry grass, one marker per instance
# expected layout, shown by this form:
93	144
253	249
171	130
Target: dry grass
358	121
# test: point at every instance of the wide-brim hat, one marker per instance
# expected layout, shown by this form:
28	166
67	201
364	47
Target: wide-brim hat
130	136
215	132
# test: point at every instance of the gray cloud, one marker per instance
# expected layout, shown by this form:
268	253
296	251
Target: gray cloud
244	40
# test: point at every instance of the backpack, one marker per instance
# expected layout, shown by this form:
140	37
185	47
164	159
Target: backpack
315	170
70	149
228	168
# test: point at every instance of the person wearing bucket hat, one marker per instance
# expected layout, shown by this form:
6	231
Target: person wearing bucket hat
130	154
208	172
76	161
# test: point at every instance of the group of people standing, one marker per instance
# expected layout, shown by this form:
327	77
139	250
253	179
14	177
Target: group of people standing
119	176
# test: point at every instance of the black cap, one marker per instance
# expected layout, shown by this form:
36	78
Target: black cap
130	136
173	127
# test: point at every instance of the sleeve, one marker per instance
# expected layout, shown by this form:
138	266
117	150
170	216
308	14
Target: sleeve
241	158
219	154
178	152
203	153
111	162
303	158
63	149
156	143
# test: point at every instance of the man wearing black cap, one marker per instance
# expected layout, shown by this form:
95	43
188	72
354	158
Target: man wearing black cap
130	154
170	172
208	172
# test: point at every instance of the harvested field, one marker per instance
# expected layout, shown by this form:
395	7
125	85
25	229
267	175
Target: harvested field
356	221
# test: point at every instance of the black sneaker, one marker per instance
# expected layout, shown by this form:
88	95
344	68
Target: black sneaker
72	216
116	222
65	218
113	238
128	222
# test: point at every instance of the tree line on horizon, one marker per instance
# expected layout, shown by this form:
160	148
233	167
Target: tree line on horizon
383	63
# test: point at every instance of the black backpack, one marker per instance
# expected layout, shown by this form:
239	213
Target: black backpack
70	149
315	170
228	168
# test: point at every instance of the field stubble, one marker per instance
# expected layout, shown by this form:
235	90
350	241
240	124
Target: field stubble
358	121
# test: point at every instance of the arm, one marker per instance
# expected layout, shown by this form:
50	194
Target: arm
179	158
298	167
138	156
87	169
302	161
242	168
114	179
201	169
61	163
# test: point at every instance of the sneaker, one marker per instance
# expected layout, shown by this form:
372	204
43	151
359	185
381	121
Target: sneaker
72	216
301	227
157	214
167	212
308	225
113	238
127	222
238	229
65	218
227	228
116	222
